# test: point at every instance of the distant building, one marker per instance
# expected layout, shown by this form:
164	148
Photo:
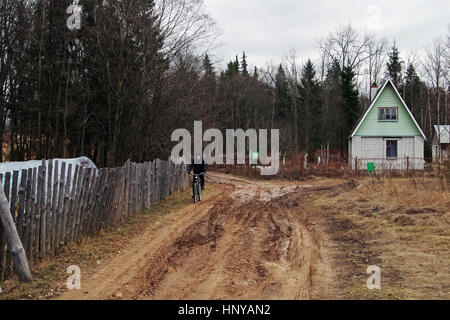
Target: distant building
387	135
441	143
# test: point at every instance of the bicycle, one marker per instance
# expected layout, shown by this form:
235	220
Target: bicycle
197	188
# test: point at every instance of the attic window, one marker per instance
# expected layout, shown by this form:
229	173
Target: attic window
387	114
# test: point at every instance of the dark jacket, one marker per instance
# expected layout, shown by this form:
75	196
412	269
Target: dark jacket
198	168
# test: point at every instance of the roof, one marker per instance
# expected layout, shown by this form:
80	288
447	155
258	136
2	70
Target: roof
363	115
444	131
361	120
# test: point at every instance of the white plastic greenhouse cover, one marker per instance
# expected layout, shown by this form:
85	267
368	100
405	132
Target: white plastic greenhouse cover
5	167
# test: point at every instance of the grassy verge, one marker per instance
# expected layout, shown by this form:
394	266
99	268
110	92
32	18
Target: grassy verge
399	224
50	275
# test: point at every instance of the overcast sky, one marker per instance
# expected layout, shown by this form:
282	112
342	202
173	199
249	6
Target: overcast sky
267	29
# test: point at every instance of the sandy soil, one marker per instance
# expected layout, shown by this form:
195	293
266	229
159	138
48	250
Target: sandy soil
250	241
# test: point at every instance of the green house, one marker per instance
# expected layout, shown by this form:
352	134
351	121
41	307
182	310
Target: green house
387	136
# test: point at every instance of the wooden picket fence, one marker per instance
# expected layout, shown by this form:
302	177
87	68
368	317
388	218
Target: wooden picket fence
52	212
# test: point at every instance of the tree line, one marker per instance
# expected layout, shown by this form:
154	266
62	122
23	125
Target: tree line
136	70
109	90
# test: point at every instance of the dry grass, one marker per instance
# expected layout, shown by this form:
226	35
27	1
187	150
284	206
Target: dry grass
50	275
400	224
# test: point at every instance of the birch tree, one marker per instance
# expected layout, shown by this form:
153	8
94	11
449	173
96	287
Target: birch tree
435	68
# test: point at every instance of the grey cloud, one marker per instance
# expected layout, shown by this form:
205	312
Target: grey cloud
267	29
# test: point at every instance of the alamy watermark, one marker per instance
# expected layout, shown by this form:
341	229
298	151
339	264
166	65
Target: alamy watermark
374	281
232	150
74	281
75	11
74	20
374	20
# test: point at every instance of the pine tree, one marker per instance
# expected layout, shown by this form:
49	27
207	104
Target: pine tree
236	65
231	69
207	65
411	90
394	66
244	65
282	102
332	105
333	74
350	103
209	80
255	74
310	108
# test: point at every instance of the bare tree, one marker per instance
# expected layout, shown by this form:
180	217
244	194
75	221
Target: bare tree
348	46
376	61
436	71
14	26
186	27
447	56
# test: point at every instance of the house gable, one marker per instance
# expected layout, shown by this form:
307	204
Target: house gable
444	131
405	126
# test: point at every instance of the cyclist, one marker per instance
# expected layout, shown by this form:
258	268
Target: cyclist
198	166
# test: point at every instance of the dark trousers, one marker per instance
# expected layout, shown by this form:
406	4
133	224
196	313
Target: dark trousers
202	181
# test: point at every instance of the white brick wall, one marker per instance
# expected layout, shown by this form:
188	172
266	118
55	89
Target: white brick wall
373	149
445	152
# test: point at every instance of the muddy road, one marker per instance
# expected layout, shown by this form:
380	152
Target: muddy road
249	240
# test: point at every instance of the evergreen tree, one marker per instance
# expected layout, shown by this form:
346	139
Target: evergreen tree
255	74
236	65
230	71
394	66
209	81
332	105
333	77
282	102
350	103
411	90
244	65
207	65
233	67
310	108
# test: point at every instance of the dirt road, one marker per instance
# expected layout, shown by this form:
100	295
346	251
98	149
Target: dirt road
251	240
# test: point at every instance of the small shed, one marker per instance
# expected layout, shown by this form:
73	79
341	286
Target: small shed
441	143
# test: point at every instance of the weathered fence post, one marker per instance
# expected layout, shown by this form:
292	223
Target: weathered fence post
32	209
12	201
42	210
48	207
55	204
60	207
14	244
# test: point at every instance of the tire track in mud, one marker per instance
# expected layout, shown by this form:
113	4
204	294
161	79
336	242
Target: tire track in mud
252	241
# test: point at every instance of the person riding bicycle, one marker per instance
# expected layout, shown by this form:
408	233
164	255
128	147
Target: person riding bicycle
198	165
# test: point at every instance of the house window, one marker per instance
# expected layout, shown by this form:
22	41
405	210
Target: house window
391	148
387	114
